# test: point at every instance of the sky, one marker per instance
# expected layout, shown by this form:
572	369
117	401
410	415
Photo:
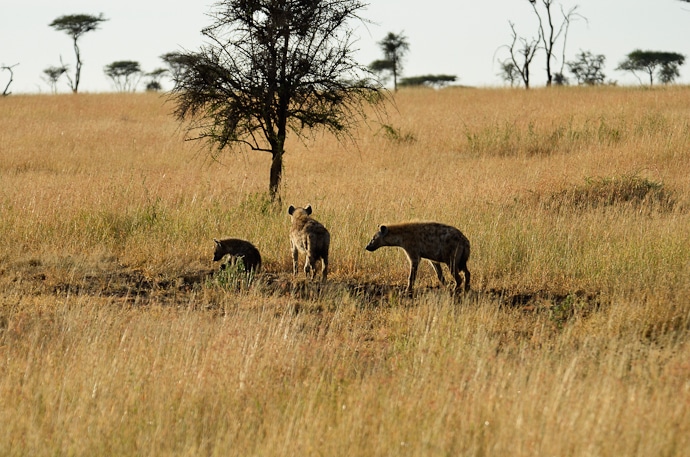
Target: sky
458	37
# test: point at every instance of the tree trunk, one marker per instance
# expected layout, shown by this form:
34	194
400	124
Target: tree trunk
77	71
276	175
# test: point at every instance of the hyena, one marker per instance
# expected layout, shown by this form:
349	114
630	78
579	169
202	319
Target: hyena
438	243
311	238
238	249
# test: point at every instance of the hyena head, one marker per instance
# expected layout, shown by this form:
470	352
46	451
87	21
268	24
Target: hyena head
219	251
297	212
378	240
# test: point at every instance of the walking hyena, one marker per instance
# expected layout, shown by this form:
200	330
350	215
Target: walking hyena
438	243
311	238
238	249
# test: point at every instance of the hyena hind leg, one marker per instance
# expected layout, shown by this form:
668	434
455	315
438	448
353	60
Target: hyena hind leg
439	272
310	267
324	269
456	274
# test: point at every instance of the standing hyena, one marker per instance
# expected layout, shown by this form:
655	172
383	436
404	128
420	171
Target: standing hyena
438	243
238	249
311	238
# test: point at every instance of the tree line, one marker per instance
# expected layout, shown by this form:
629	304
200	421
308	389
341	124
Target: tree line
551	37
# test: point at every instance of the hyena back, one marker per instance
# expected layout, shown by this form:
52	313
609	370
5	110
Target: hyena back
311	238
238	249
438	243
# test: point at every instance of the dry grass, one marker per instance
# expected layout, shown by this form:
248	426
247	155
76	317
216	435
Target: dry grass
117	339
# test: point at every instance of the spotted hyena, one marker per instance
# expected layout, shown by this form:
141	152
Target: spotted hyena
238	249
438	243
311	238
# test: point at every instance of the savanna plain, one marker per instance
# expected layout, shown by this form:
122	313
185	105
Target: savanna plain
119	336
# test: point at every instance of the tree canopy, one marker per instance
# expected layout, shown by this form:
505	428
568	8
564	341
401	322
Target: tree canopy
75	25
273	67
665	64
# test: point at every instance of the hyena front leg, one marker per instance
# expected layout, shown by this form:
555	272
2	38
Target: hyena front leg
439	272
414	264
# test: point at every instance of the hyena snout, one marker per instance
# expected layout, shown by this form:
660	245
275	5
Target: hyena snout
372	246
377	241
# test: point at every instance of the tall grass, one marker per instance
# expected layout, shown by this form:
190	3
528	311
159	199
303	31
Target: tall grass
117	339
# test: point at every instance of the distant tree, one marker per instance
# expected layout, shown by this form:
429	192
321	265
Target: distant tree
521	56
154	82
272	67
176	62
588	68
428	80
550	32
125	74
394	48
665	64
75	26
52	74
560	79
8	68
509	72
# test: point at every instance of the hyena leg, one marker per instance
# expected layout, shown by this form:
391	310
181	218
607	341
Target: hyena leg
295	256
439	272
461	266
414	264
467	278
324	271
309	266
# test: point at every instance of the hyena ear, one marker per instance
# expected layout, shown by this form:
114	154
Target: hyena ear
291	210
383	229
308	210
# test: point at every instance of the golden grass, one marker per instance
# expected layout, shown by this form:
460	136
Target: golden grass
115	339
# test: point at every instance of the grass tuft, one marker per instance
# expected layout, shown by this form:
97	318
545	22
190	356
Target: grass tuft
630	191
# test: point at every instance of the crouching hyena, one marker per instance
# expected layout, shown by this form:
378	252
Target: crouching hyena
311	238
238	249
438	243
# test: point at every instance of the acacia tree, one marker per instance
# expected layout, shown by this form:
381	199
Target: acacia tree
509	72
125	74
52	75
435	81
394	48
550	32
665	64
154	82
273	67
75	25
588	68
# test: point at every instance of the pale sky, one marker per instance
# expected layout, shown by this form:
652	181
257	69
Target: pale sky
458	37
